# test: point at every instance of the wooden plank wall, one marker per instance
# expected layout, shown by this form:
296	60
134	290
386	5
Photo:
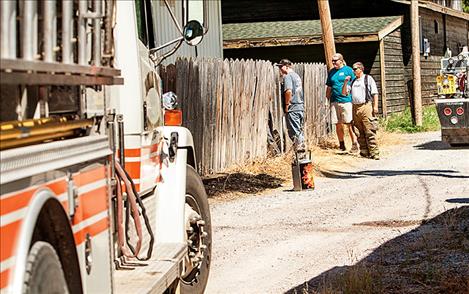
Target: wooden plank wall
429	69
457	34
226	106
399	68
317	114
375	72
396	88
433	29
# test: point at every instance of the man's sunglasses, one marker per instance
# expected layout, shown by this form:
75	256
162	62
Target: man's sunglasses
335	60
355	68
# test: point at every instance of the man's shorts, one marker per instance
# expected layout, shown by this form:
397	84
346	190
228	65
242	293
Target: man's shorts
341	112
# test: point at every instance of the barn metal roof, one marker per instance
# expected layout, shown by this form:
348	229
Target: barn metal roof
305	32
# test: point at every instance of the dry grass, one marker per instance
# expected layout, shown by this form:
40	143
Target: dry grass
263	175
274	166
357	280
390	223
255	177
434	258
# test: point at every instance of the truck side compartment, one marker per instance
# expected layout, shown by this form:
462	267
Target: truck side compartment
29	197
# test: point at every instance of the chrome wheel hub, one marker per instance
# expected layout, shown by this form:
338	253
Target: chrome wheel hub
195	235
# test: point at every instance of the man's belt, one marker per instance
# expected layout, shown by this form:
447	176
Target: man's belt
360	104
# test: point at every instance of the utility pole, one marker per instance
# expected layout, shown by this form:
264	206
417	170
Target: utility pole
417	87
327	32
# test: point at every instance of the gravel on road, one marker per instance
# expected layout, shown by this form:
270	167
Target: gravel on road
273	242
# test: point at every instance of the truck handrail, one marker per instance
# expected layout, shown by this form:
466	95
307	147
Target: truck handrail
62	51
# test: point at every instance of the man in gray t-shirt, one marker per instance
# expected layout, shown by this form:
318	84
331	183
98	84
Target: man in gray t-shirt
292	95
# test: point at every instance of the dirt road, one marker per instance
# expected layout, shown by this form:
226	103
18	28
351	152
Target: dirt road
274	242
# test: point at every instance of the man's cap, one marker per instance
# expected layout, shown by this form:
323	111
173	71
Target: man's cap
283	62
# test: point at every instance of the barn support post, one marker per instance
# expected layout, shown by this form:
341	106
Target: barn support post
327	31
417	86
384	104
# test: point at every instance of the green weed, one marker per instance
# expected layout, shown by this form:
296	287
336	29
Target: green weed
402	122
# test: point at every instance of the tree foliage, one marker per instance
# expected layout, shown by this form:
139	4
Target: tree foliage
465	5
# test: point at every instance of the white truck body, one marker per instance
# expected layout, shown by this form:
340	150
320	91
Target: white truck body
58	173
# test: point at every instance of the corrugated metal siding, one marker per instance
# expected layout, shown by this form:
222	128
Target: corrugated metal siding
166	30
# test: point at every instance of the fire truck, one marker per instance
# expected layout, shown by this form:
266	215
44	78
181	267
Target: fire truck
453	102
98	187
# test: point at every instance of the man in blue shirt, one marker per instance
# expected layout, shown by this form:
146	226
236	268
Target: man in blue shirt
294	104
341	105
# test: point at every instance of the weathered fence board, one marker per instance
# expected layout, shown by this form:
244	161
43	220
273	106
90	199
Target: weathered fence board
229	104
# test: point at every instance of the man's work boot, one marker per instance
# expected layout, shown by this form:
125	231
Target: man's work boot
362	154
342	146
355	148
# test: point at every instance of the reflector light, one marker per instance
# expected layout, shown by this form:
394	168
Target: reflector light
460	111
173	117
447	111
454	120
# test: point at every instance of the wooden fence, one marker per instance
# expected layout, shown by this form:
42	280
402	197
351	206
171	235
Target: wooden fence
227	104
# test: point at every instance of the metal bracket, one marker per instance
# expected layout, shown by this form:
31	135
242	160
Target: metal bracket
173	146
88	253
111	132
72	195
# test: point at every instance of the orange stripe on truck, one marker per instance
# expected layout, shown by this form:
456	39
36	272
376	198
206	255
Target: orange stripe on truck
10	203
13	203
7	241
4	278
91	203
133	168
132	152
93	230
90	176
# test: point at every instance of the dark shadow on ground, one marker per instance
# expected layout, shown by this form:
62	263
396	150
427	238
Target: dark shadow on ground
240	182
439	145
458	200
433	258
391	173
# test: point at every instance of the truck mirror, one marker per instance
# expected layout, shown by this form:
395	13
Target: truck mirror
193	33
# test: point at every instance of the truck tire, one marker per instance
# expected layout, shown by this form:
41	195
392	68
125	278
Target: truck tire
196	198
44	272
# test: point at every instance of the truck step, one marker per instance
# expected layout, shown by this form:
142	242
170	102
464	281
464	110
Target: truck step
151	276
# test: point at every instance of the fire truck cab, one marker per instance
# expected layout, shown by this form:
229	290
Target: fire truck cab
98	188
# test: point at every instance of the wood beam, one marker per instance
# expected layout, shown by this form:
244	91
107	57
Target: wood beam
438	8
295	41
417	85
327	31
391	27
384	103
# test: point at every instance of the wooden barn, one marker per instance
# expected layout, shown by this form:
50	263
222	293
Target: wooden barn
375	32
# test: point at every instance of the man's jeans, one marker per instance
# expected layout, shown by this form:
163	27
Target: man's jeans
295	127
